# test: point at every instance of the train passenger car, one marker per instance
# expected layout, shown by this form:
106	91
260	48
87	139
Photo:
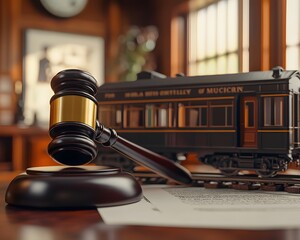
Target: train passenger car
245	121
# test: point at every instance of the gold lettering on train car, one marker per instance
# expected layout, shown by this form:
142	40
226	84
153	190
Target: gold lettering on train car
175	92
222	90
201	90
151	93
134	94
109	95
240	89
210	90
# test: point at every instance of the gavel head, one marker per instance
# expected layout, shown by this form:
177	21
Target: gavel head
73	113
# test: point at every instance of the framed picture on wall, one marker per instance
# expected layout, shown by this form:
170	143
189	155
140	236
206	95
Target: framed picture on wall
45	54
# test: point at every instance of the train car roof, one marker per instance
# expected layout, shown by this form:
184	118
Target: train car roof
205	79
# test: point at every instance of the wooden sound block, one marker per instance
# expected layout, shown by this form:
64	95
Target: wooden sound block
73	187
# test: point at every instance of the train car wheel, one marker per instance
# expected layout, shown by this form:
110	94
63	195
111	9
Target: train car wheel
228	166
265	170
265	174
229	172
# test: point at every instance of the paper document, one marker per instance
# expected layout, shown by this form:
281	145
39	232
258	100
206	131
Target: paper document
209	208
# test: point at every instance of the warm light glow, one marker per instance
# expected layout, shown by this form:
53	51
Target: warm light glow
292	22
201	31
222	64
232	26
293	34
211	30
193	37
218	44
221	28
292	57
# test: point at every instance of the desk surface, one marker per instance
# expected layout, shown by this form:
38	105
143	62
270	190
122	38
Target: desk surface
17	223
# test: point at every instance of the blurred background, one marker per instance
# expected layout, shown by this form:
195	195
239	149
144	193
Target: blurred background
116	39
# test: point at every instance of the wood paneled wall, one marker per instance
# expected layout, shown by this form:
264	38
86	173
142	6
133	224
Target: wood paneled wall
267	34
106	18
19	15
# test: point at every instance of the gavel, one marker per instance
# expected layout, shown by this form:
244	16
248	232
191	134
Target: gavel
76	134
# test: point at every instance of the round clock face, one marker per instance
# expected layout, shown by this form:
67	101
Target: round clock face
64	8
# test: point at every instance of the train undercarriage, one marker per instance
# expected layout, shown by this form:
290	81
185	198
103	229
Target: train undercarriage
263	165
229	163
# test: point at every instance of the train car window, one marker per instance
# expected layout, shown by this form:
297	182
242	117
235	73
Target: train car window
150	115
162	116
295	118
192	114
273	111
249	114
221	115
159	115
110	115
172	115
229	116
133	116
181	115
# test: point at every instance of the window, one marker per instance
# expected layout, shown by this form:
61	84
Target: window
295	100
217	38
133	116
195	114
110	115
159	115
192	114
273	111
249	114
293	35
221	115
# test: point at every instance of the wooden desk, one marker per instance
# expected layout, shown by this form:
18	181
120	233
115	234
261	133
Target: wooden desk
22	147
25	224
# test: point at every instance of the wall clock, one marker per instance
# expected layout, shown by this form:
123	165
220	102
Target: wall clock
64	8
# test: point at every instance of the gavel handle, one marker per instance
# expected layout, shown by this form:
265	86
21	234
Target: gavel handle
155	162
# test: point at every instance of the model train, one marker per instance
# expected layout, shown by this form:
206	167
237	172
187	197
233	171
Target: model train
244	121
